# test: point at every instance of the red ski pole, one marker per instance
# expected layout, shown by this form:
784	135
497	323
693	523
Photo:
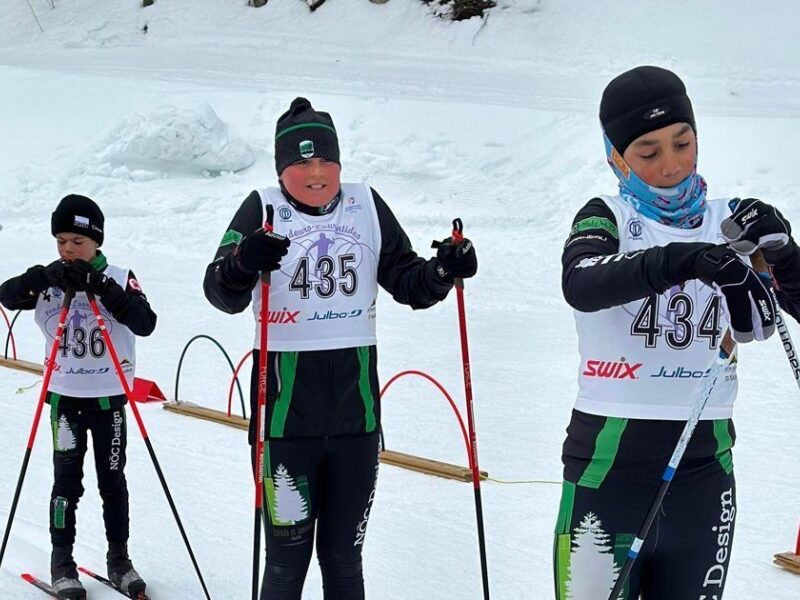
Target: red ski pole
132	402
261	416
458	237
49	368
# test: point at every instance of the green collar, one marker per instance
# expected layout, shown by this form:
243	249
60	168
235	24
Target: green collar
99	262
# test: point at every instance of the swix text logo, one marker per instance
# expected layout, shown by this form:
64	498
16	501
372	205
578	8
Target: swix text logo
282	317
612	370
765	311
750	215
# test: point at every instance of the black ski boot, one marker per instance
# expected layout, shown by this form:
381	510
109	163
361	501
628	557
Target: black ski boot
121	572
64	574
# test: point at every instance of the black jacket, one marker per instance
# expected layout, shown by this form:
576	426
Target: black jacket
333	392
127	304
652	271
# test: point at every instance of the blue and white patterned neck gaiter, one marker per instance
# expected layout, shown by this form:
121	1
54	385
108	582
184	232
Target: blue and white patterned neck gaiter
681	206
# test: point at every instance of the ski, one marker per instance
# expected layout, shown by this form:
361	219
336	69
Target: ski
106	582
36	582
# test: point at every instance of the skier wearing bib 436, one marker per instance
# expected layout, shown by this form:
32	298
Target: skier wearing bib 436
333	243
85	393
658	294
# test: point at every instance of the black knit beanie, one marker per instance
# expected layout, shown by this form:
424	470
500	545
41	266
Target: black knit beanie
78	214
302	133
640	101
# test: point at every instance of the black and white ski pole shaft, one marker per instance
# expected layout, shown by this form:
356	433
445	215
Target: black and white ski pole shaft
132	402
669	472
50	366
260	417
458	237
761	267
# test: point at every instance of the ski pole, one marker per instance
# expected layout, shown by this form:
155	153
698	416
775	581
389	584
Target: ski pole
261	416
132	402
50	366
458	237
669	472
760	265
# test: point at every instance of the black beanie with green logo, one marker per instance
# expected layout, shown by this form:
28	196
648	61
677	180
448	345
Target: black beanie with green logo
303	133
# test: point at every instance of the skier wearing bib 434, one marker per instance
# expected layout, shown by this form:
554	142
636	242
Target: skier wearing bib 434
658	294
333	243
85	393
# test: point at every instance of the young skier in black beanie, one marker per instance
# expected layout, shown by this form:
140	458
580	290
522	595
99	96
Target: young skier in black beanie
333	244
84	393
662	293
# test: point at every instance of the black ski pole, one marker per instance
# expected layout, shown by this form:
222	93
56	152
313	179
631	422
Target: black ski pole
132	402
49	367
760	265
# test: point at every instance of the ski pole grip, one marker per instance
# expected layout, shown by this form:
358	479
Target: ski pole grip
270	218
759	264
458	229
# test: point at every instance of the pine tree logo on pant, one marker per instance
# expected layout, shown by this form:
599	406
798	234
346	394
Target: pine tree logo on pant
288	498
64	439
592	570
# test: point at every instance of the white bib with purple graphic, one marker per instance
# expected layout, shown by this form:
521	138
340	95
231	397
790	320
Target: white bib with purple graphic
323	296
84	368
650	358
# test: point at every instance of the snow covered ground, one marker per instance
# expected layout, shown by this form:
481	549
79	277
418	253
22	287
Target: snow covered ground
494	122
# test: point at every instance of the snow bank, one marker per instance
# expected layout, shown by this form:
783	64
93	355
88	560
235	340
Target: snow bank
169	140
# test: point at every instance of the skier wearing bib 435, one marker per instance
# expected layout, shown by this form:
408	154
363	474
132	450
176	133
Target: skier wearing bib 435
659	294
333	243
85	393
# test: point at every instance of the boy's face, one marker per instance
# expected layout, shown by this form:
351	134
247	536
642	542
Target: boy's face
664	157
314	181
72	246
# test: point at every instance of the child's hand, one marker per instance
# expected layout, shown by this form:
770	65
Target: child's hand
82	277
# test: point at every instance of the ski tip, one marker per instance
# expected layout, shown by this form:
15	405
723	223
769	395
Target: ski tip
87	571
28	577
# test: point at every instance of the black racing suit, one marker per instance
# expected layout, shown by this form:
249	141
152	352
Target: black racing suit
72	417
323	420
613	466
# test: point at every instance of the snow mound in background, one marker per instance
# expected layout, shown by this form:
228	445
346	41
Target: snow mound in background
171	141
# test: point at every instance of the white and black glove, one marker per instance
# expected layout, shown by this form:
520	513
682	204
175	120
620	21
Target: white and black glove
755	225
751	310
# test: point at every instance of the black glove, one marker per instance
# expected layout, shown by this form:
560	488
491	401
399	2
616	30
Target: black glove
38	278
755	225
751	310
261	251
56	274
83	277
455	259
